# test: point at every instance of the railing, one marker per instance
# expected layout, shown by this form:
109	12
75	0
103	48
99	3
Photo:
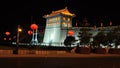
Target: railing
4	52
37	52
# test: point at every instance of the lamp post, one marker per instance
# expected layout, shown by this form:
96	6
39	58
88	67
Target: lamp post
17	42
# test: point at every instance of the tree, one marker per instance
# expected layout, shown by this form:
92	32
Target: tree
100	38
110	37
84	36
117	36
69	40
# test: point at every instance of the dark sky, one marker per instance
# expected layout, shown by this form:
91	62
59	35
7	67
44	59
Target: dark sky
24	12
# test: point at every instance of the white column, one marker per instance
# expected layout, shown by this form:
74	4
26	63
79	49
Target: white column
36	41
32	41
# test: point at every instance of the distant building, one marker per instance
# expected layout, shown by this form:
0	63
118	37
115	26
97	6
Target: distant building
59	22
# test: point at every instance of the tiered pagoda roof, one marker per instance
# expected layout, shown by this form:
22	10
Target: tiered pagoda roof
62	11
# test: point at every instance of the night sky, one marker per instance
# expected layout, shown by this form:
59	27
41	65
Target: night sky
13	13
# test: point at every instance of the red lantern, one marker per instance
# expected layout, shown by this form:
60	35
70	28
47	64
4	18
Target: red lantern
33	26
14	37
5	38
101	24
110	23
7	33
70	33
10	39
30	32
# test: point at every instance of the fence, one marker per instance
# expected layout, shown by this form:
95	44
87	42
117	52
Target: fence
37	52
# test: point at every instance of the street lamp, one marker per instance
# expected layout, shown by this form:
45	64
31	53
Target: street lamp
18	34
17	42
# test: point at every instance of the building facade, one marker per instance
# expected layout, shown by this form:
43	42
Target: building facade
57	25
59	22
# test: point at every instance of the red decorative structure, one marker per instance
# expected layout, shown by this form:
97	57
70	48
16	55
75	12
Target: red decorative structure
10	39
70	33
110	23
33	26
34	40
30	32
7	33
5	39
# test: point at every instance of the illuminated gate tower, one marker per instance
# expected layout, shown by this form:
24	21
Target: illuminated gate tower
57	24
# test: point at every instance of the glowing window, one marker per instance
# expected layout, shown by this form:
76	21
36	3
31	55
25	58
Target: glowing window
63	23
68	19
57	23
63	18
58	18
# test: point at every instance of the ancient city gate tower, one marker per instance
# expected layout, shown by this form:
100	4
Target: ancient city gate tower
57	24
